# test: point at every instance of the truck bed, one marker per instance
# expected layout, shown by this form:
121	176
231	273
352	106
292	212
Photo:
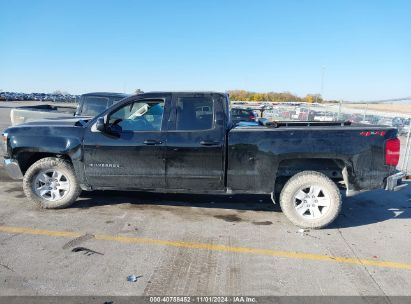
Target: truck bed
293	123
257	154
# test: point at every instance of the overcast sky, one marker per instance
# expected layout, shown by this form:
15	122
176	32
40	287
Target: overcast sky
363	47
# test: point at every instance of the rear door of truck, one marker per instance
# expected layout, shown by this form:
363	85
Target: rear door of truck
195	143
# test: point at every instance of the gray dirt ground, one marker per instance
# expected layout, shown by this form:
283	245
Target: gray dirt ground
35	260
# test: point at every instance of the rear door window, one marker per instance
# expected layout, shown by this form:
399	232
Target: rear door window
195	113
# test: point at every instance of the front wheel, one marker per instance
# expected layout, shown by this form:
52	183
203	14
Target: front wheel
310	200
51	183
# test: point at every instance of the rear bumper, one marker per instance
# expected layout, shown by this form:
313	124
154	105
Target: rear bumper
394	183
12	168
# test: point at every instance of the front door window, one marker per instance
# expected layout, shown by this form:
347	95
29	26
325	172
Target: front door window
139	116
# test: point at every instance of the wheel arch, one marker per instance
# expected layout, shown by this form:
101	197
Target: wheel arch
27	158
331	167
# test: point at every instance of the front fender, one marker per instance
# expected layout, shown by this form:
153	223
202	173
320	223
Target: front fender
70	146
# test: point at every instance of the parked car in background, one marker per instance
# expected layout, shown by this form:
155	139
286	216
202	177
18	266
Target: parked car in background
299	113
272	113
240	114
90	105
324	116
404	130
356	118
386	121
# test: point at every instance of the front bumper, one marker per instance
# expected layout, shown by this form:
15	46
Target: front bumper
394	182
12	168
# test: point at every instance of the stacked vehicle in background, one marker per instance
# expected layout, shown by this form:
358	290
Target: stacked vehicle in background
54	97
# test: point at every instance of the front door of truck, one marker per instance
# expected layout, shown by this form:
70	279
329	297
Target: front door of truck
135	157
195	144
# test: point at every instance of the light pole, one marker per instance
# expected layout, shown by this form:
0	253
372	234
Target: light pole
322	81
321	89
365	112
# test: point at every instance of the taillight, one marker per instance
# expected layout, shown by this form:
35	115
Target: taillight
392	152
251	117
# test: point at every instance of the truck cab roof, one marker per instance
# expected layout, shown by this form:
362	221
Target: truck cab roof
154	94
106	94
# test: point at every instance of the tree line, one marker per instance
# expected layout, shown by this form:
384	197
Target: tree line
243	95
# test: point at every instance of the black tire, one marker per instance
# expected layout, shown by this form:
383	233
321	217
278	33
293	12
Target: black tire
305	180
44	165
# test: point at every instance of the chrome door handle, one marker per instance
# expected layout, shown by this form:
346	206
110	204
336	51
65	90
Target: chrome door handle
209	143
152	142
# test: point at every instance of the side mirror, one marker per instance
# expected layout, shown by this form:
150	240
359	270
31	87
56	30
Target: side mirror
100	125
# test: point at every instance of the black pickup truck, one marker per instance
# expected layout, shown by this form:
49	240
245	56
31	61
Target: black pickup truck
186	142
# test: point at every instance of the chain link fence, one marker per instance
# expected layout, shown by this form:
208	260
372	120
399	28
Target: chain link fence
366	114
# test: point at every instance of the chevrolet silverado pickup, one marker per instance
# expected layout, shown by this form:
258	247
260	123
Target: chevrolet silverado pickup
186	142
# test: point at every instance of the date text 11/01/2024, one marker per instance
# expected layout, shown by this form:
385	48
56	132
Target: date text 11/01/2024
202	299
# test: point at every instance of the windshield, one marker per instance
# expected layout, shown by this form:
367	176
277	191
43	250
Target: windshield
94	105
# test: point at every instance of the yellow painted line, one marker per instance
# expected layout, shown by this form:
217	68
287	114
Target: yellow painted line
213	247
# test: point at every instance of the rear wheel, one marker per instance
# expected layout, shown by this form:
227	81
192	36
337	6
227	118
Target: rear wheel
51	183
311	200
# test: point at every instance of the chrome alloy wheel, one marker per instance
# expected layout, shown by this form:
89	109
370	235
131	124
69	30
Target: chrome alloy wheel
311	202
52	185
